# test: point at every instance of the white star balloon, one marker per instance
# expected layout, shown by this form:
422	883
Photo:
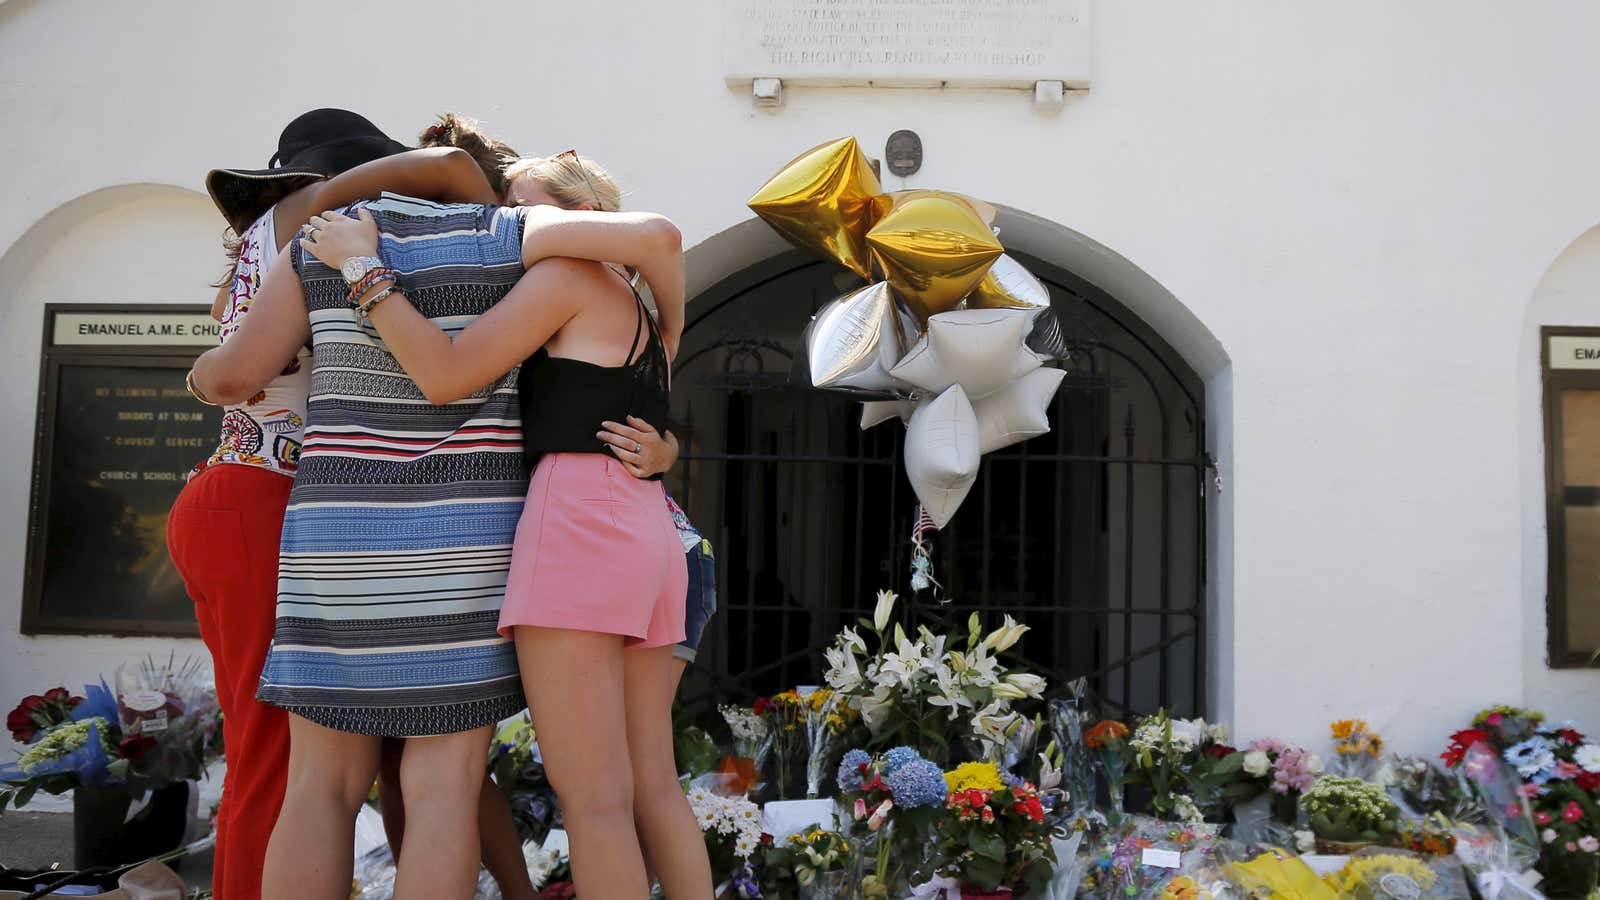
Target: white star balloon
876	412
942	453
1018	411
982	350
854	341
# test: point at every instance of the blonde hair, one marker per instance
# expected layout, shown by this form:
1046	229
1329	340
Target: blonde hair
572	180
491	154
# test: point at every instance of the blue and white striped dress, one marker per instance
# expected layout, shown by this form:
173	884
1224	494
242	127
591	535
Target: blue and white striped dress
399	529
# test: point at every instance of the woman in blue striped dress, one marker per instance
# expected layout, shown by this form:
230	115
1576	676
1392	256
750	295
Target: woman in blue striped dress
398	535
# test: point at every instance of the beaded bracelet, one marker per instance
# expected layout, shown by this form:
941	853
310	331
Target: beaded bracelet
370	279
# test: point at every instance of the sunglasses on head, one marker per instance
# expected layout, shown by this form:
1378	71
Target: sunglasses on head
585	173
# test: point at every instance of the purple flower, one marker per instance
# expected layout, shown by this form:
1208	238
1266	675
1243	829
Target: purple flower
1291	771
1267	745
917	783
745	884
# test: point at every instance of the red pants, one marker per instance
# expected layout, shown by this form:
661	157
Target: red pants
223	535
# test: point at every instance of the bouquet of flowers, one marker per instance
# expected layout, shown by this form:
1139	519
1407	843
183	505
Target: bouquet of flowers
1375	874
813	865
1107	741
992	833
1183	764
1357	749
1559	770
1070	719
518	771
160	727
1150	855
740	771
1495	835
927	693
1277	874
827	719
785	716
1349	811
732	829
896	796
1265	792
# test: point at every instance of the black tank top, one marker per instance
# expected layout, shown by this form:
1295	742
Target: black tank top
564	400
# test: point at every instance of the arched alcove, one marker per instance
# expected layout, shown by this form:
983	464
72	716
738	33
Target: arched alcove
1568	294
1102	535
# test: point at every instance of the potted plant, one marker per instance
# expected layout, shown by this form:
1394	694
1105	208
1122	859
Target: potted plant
992	836
1348	814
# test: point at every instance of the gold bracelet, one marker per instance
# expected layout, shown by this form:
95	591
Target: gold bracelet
188	383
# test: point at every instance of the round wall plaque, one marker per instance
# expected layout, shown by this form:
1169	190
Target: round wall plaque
903	153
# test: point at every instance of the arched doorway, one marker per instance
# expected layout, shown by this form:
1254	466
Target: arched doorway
1094	535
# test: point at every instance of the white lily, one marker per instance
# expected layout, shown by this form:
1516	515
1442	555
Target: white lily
903	663
950	695
1031	685
880	616
853	641
982	667
1049	776
957	660
1010	634
875	707
844	673
1007	691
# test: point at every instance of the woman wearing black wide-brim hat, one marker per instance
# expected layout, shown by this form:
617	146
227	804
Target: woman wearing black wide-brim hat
224	528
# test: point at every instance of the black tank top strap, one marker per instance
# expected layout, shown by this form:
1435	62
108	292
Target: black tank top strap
634	350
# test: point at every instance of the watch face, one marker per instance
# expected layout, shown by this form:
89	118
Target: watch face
354	268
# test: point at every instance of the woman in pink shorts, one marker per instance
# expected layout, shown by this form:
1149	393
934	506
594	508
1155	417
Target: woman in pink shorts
595	595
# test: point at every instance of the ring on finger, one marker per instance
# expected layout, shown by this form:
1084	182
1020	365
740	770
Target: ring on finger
637	447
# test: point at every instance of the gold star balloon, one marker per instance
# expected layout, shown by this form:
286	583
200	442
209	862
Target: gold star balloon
883	203
933	251
823	201
1009	284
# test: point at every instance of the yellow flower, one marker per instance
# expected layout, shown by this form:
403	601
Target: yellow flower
1366	872
974	776
818	699
1354	737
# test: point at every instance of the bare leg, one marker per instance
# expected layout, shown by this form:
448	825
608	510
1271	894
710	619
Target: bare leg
330	773
391	800
666	826
574	684
502	848
442	777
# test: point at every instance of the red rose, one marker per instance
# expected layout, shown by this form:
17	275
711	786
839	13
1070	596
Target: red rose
21	724
136	747
57	695
1589	781
1218	751
1453	756
1570	736
33	703
1469	736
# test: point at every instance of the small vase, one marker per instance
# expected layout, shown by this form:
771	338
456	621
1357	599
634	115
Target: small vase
827	886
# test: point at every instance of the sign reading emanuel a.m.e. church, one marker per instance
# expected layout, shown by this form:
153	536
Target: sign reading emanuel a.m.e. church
117	435
910	43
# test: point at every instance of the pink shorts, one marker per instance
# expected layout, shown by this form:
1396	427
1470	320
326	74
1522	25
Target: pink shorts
596	551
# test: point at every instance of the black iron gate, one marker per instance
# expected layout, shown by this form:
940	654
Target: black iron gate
1093	535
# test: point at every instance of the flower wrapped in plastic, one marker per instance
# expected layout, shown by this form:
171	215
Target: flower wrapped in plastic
1070	717
1387	874
1496	837
739	772
1153	852
827	720
893	799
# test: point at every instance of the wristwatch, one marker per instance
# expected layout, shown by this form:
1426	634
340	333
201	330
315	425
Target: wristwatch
356	267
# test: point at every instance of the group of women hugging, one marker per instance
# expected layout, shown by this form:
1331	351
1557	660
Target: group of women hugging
436	502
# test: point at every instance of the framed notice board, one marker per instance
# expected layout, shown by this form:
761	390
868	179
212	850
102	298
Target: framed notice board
115	437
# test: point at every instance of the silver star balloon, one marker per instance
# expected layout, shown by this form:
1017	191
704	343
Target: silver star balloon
854	341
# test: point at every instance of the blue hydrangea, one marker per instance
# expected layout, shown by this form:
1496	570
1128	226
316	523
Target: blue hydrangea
1010	780
850	770
916	783
898	757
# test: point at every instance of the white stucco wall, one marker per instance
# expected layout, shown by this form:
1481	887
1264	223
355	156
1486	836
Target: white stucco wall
1347	206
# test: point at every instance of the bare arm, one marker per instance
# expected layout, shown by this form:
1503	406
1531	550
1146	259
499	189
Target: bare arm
438	173
276	328
646	241
447	369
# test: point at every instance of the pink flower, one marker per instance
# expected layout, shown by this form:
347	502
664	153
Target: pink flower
1567	770
1572	847
1589	843
1542	817
861	808
1531	791
1494	719
1513	810
1267	745
1573	812
875	821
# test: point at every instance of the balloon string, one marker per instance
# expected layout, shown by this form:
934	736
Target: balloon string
922	558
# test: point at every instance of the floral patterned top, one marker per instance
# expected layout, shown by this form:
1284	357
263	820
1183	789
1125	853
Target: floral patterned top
267	429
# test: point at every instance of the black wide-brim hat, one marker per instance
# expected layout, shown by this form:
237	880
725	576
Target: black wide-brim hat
316	145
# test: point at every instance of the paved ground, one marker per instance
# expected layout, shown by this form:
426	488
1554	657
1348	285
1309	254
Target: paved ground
34	840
